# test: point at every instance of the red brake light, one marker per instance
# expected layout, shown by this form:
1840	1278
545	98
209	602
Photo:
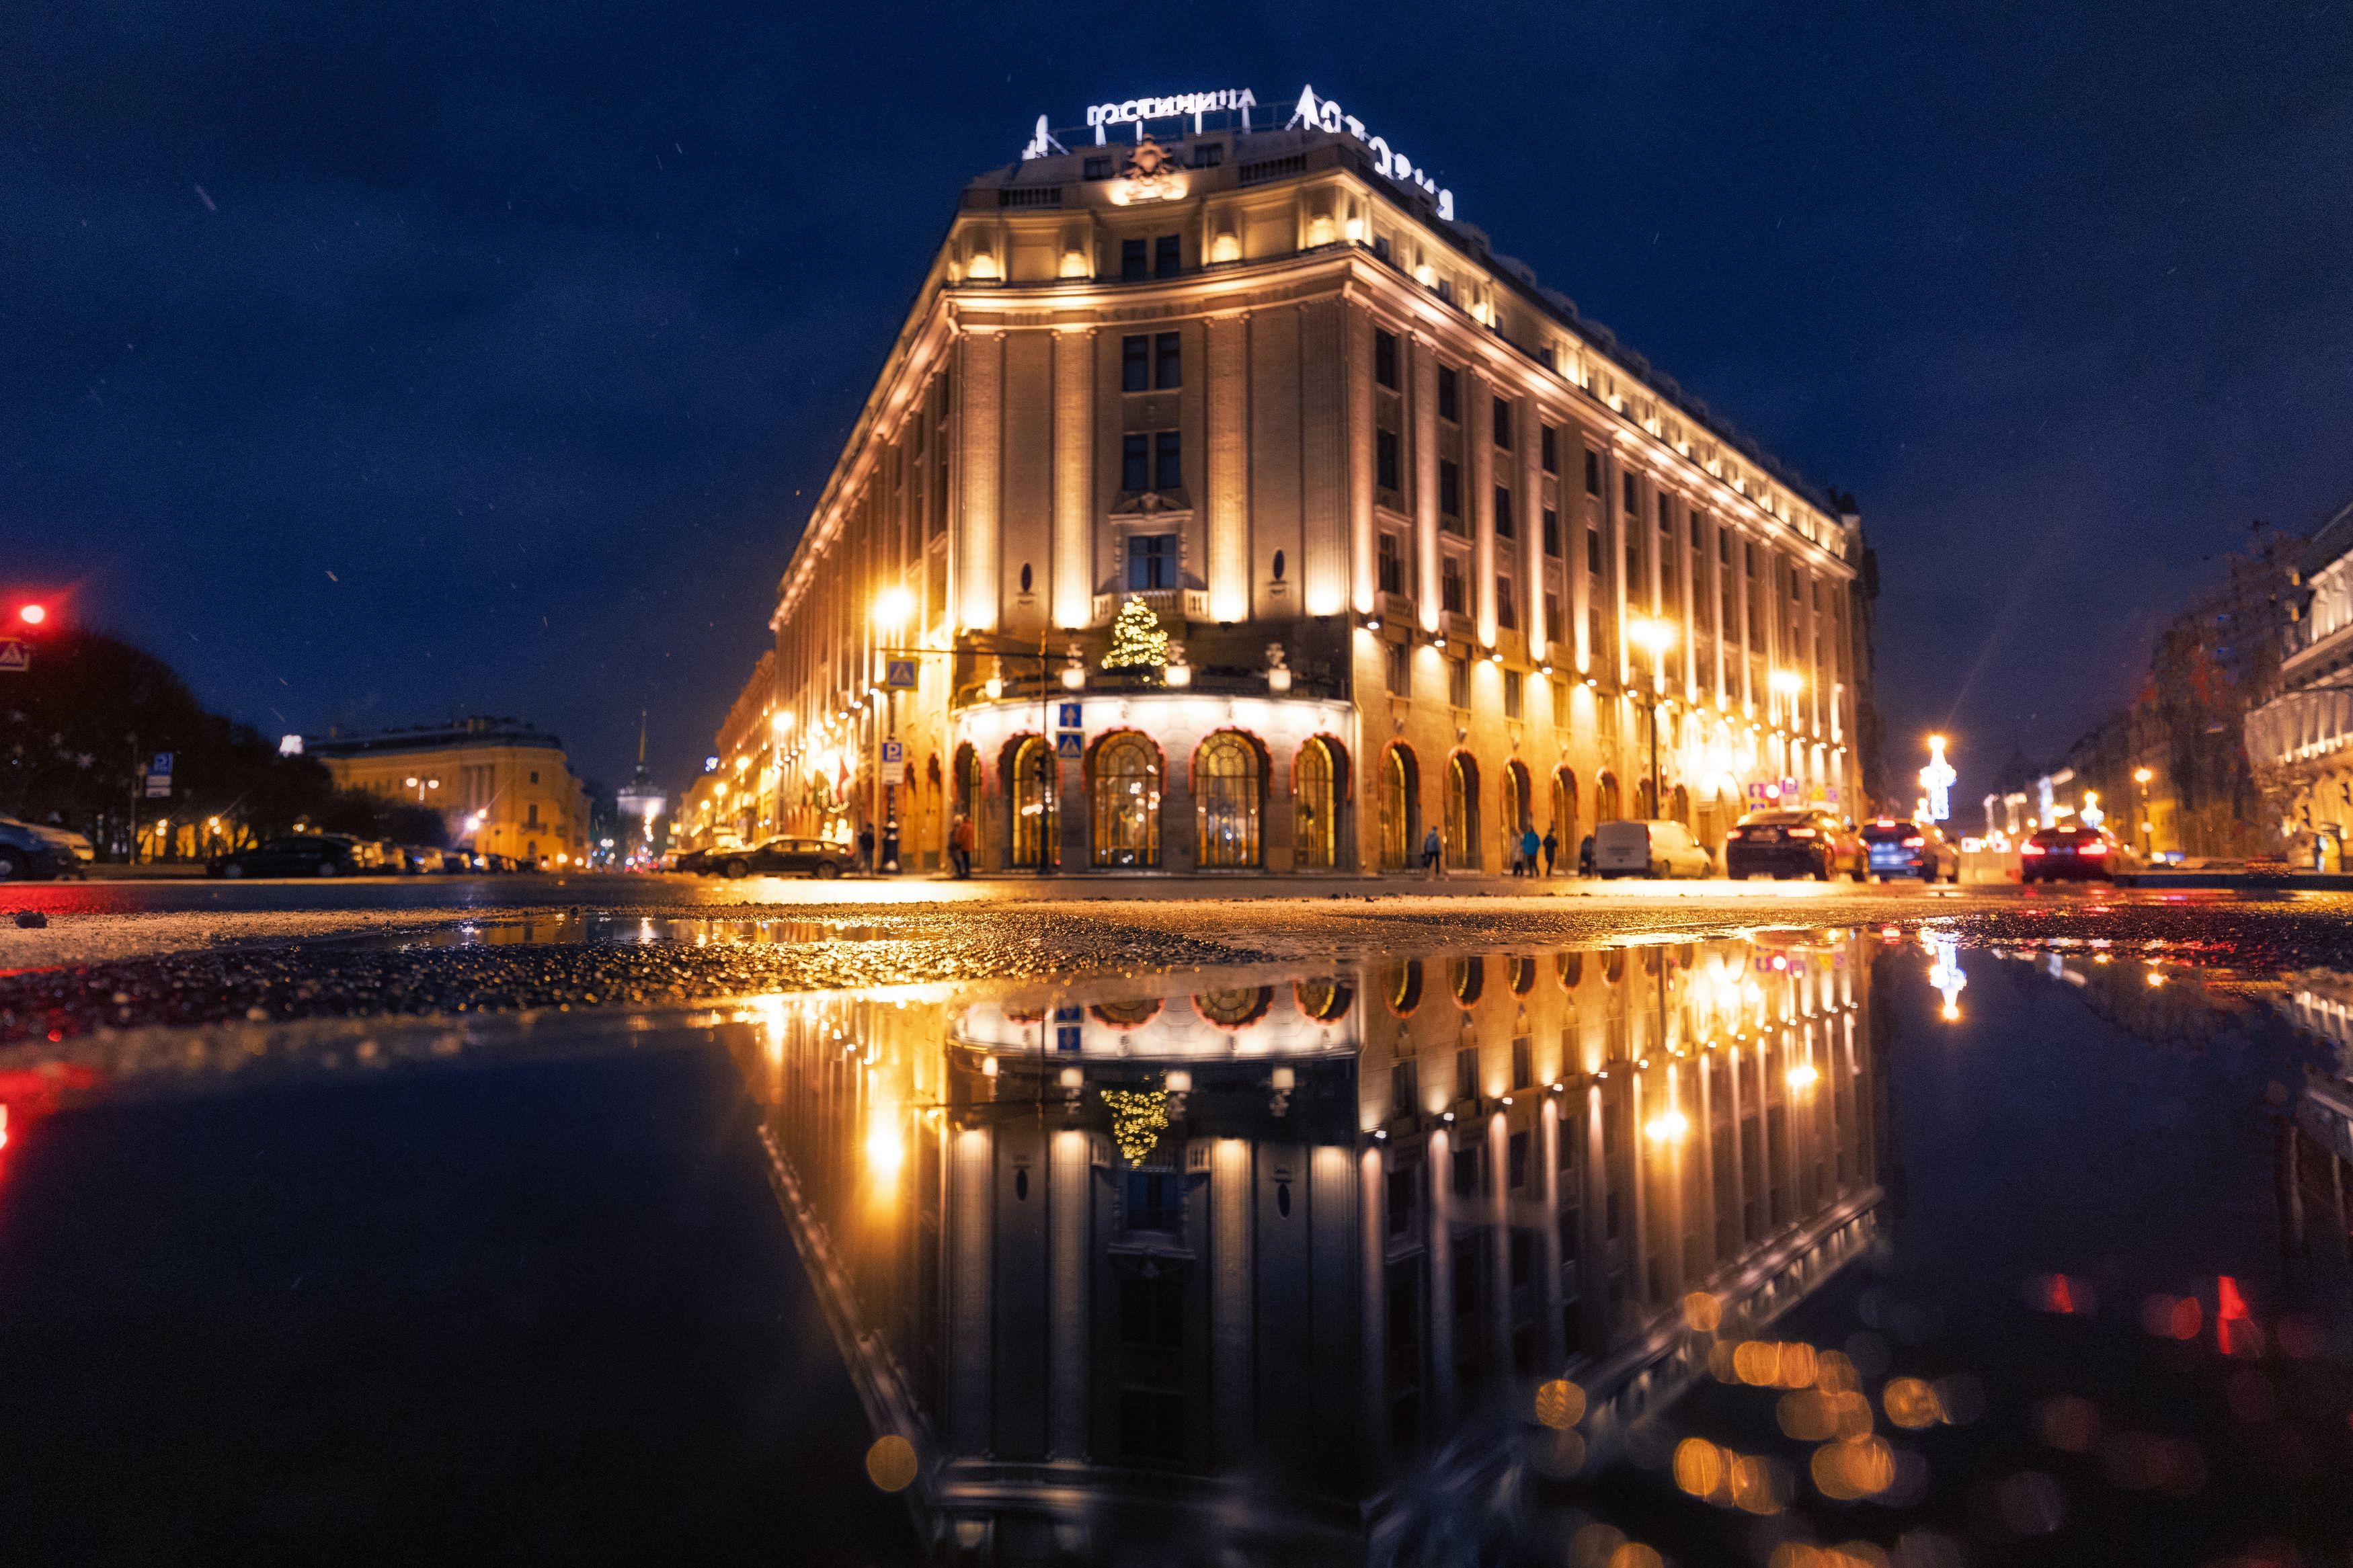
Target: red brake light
2030	849
2095	847
1914	842
1802	833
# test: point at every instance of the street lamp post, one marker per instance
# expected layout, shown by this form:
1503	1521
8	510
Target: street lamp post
891	608
2147	835
1657	637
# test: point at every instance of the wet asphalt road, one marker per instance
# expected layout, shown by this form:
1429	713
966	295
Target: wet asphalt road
122	954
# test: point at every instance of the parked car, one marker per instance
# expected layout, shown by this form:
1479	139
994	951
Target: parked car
785	858
1794	844
457	862
495	863
1639	848
2068	854
420	859
1911	849
693	862
37	849
389	857
295	855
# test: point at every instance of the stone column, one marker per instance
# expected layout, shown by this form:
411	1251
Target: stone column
1479	478
981	366
1423	411
1364	580
1073	536
1231	1329
1069	1176
1227	472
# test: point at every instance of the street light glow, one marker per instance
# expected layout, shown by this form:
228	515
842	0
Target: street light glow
1657	635
1788	683
892	607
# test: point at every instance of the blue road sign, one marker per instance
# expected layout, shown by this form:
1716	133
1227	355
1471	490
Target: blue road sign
899	674
162	764
895	751
1070	717
1070	743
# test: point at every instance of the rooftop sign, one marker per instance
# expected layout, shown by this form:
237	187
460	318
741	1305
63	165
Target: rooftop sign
1326	114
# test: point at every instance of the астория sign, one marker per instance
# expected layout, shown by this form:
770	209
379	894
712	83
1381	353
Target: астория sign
1322	114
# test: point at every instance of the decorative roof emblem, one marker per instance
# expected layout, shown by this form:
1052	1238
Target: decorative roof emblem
1151	175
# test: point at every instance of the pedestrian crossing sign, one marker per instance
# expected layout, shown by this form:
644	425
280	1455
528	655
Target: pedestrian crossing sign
899	674
15	655
1070	743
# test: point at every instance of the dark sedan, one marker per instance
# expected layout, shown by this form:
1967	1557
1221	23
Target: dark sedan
1911	849
296	855
785	858
2067	854
1793	844
35	849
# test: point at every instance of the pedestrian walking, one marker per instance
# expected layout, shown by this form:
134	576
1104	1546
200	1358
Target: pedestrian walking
1433	856
891	845
1585	857
866	847
1551	848
1529	845
960	846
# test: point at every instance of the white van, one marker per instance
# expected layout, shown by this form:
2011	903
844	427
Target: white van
1650	849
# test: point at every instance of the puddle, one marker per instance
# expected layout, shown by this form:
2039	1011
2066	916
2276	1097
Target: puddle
606	930
1810	1248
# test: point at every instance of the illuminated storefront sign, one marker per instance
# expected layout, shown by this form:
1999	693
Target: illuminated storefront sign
1330	116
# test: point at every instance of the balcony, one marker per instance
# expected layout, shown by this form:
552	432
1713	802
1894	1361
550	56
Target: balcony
1168	604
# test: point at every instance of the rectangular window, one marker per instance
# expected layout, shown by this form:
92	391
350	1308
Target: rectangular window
1549	450
1507	604
1523	1063
1134	370
1592	472
1466	1074
1168	361
1385	461
1131	267
1401	1199
1457	682
1503	423
1449	488
1505	527
1397	658
1167	460
1208	154
1552	623
1166	257
1517	1158
1551	532
1097	169
1447	400
1405	1088
532	818
1155	1201
1385	359
1514	693
1135	463
1151	562
1392	563
1633	497
1592	548
1450	586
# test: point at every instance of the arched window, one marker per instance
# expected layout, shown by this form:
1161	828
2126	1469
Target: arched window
1234	1008
1605	798
1131	1014
1124	799
1462	813
1469	979
1646	806
1405	987
1515	809
1315	796
1323	1000
1226	788
1564	810
1400	813
968	778
1032	804
1570	967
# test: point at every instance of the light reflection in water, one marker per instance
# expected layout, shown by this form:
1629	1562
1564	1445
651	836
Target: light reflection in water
1280	1267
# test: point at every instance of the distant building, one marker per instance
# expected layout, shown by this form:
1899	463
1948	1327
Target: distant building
740	799
504	788
639	804
2301	742
1226	503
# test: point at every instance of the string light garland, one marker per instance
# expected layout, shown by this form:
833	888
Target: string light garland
1138	1118
1136	640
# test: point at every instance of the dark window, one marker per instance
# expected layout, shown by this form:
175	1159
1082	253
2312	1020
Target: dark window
534	776
1549	446
1633	498
1457	684
1405	1088
1466	1186
1385	358
1553	626
1392	563
1450	588
1208	155
1592	548
1696	541
1507	608
1399	658
1167	460
1519	1178
1098	168
1515	688
1449	488
1381	246
1505	527
1168	361
1524	1072
1447	406
1402	1196
1135	463
1592	472
1551	532
1154	1200
1134	366
1385	461
1166	258
1151	562
1131	264
1503	423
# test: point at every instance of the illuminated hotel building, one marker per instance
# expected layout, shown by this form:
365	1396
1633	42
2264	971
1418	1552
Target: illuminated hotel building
1268	1265
1425	543
502	786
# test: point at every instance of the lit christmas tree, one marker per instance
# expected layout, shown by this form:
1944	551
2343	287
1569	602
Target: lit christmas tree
1136	640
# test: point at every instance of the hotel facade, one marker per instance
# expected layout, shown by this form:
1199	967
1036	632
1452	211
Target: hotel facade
1420	547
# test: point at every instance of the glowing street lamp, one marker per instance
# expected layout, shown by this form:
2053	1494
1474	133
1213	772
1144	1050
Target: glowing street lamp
1937	778
1656	636
892	608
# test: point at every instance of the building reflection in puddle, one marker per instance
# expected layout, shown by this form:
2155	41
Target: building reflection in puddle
1291	1268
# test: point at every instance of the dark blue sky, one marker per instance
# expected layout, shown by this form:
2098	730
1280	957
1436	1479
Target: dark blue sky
370	366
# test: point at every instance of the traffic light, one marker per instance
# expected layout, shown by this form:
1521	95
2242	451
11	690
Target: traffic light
32	613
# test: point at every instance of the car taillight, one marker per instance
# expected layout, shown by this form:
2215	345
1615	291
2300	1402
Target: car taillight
1802	833
1913	843
2032	849
2095	847
1737	833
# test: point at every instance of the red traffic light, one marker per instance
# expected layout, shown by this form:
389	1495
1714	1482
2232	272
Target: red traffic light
32	615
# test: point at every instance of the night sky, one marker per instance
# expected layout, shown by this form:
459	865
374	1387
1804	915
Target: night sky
372	365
